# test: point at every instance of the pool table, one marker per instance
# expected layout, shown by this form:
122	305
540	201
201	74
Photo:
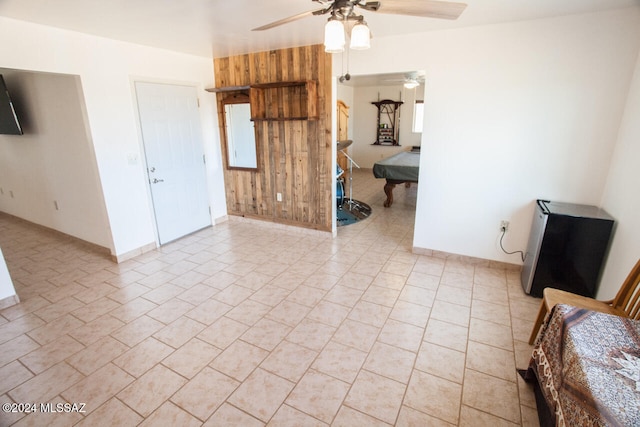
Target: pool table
400	168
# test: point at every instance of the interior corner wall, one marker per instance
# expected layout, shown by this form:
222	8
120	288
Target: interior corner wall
49	174
621	197
107	70
513	112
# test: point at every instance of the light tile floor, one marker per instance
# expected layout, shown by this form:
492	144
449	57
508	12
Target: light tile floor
248	324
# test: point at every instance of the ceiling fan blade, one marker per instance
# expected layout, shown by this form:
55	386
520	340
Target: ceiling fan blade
370	5
322	11
424	8
285	20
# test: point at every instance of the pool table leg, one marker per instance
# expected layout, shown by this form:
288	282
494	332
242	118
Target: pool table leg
388	190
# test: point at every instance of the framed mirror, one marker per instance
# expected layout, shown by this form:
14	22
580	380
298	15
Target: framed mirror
240	139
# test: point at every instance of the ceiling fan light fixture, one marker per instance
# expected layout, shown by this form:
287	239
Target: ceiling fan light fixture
334	39
411	84
360	36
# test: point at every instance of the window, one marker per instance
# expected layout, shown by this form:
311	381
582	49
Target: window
418	116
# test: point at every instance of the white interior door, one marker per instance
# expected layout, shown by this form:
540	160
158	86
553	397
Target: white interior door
172	137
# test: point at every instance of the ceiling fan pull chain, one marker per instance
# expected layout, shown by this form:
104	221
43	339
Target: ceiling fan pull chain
347	76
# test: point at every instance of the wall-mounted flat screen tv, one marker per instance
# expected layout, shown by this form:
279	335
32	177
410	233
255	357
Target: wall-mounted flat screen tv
9	124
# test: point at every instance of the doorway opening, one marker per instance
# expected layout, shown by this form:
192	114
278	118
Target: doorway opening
362	129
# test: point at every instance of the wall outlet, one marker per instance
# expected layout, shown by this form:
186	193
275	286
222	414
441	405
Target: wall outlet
279	197
504	225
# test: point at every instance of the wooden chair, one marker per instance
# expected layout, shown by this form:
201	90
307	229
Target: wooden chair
626	303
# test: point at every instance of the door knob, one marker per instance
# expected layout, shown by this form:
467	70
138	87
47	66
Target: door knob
156	180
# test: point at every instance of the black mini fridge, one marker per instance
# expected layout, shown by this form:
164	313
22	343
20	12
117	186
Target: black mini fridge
567	248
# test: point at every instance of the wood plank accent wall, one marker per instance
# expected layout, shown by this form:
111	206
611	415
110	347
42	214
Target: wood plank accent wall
294	156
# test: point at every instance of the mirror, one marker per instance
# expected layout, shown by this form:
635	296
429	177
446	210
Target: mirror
240	136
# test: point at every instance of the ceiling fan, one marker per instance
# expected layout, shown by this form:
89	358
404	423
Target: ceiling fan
410	80
344	10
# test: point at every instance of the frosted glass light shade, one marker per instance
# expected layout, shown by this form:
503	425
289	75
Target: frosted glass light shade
360	37
334	37
412	84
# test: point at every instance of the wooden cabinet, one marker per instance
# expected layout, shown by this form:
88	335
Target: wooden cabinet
343	135
388	121
284	101
292	100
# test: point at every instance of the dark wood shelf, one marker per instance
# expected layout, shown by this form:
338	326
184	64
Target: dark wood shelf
282	119
227	89
273	85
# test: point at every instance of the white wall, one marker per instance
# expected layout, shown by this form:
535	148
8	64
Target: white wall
622	196
49	175
107	69
365	117
513	112
6	285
